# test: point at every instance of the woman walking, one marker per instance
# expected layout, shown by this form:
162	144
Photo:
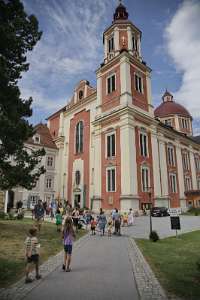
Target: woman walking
68	238
102	222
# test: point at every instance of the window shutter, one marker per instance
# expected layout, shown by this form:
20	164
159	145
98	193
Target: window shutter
108	146
113	83
109	84
113	179
113	145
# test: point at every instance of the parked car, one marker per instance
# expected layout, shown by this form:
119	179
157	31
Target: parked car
159	212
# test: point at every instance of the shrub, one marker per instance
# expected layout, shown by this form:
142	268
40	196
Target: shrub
198	267
154	236
2	214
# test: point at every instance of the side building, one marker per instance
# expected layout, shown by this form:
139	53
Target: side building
114	150
45	188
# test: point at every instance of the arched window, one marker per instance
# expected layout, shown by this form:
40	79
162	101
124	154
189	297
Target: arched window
78	177
79	137
80	94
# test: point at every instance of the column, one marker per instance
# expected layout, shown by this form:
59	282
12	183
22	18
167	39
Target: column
156	165
97	163
105	47
130	43
116	39
6	202
125	79
164	173
61	124
180	172
128	157
193	171
99	93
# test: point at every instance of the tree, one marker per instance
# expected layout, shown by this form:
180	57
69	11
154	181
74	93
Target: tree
19	33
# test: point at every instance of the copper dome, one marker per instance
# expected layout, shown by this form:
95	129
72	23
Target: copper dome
170	107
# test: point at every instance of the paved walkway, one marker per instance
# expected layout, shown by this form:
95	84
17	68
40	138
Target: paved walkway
101	269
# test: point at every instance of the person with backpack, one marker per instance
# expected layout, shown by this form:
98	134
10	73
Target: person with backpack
68	239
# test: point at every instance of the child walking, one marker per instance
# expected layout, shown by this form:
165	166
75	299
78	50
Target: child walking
68	238
58	220
32	254
110	226
93	226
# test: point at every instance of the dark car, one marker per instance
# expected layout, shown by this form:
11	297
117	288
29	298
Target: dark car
159	212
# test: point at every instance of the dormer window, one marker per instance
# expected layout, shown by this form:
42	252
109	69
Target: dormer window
80	95
111	44
36	139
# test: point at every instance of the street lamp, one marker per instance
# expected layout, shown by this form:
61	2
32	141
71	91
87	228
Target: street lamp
150	204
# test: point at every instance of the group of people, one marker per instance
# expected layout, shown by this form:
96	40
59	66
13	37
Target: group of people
68	225
114	222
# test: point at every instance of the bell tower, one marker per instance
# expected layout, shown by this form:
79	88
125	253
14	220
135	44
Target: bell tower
121	35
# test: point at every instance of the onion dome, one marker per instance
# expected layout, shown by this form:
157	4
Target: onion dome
120	13
170	107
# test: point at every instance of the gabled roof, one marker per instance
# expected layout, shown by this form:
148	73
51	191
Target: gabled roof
45	137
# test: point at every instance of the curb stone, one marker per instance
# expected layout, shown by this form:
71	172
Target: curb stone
147	284
19	290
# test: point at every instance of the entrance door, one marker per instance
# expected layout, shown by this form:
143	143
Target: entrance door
77	200
11	196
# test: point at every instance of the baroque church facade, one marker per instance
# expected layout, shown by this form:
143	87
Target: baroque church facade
114	149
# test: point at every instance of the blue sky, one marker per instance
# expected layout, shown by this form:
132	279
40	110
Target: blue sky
71	49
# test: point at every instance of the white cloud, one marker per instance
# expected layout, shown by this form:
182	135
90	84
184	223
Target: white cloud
183	45
70	47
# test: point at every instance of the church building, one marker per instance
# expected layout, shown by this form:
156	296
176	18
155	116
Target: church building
114	149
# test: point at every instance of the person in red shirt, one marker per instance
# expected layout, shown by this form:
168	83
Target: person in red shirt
93	226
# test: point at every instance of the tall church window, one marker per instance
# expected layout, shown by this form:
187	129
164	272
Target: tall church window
170	155
111	86
197	163
138	83
186	161
145	178
134	43
173	183
111	179
188	183
79	137
111	44
110	145
143	144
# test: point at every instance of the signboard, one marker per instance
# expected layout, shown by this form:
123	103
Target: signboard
175	223
174	211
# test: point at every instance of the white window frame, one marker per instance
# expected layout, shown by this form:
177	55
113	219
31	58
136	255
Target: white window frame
109	39
173	187
142	150
136	75
197	163
186	161
49	183
50	158
171	159
110	76
188	183
110	169
106	144
145	184
198	182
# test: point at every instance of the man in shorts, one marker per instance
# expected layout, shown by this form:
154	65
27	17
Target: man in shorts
39	214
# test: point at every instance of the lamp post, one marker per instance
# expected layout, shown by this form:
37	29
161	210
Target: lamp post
150	203
64	175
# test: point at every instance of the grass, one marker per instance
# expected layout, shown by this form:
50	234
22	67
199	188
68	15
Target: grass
193	212
12	236
174	262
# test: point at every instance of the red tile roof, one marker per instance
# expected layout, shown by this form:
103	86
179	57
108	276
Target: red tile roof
45	137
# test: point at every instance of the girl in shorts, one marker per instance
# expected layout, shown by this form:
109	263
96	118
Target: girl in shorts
68	238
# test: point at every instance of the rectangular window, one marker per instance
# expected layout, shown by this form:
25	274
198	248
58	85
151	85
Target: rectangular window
198	183
134	43
171	156
173	183
197	163
49	183
143	144
111	84
186	161
111	178
50	161
111	44
111	145
145	179
138	83
188	183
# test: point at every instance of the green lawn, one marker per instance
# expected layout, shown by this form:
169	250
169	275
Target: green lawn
174	262
12	236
